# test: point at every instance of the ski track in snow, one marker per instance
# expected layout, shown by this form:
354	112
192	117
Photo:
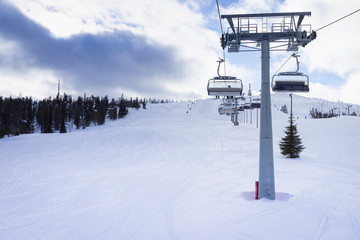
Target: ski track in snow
163	174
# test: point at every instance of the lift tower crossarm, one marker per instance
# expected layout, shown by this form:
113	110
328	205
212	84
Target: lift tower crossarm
301	16
261	15
287	34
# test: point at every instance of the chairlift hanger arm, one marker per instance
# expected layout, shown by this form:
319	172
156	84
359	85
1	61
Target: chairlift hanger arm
218	69
222	38
297	61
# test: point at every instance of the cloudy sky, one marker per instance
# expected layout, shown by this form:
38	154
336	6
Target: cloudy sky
163	48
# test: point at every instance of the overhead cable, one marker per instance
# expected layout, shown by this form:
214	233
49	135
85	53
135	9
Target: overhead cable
338	20
222	32
286	61
217	4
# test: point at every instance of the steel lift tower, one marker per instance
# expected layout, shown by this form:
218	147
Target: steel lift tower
266	32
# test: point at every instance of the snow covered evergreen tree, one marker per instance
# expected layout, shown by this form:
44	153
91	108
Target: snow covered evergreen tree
284	109
291	145
63	117
112	110
135	103
122	107
144	104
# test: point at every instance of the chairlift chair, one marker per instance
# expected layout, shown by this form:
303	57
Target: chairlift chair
226	108
241	108
246	106
255	105
290	81
224	85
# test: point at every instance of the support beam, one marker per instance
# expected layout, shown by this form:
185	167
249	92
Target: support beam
262	15
266	158
231	23
301	18
236	113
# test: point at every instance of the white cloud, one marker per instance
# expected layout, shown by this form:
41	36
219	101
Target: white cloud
168	23
350	91
184	25
335	50
249	6
37	83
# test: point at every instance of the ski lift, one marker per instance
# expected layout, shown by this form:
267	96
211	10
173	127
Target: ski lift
290	81
255	105
226	108
224	85
246	106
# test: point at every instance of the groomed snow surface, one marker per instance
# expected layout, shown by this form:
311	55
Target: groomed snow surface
161	173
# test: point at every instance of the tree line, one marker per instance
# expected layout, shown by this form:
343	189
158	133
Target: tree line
25	115
315	113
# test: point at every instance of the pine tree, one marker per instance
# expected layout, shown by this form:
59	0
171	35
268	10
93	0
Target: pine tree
88	111
144	104
76	109
135	103
48	124
284	109
291	145
63	117
97	107
112	111
56	106
2	123
104	102
122	107
29	116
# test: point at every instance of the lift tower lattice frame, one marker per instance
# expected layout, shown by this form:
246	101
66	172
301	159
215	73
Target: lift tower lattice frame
245	33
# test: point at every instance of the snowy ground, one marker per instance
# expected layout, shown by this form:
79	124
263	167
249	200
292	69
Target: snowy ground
163	174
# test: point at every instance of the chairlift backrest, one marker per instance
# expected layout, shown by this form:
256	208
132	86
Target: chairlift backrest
226	108
290	82
255	105
225	86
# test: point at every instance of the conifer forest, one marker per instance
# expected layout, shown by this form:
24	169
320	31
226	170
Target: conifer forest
25	115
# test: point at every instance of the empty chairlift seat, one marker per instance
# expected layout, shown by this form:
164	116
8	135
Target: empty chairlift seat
290	82
225	86
255	105
226	108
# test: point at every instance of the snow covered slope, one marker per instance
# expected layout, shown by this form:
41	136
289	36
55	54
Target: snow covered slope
163	174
